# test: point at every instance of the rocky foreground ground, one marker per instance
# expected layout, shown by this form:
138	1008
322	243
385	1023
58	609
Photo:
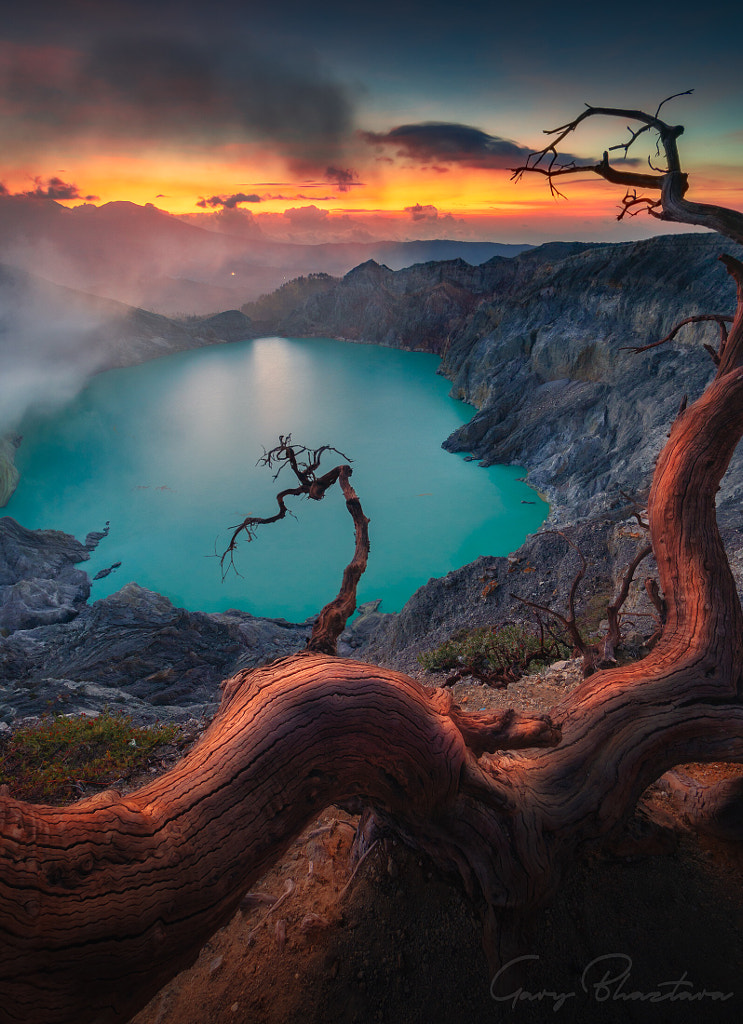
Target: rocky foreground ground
135	652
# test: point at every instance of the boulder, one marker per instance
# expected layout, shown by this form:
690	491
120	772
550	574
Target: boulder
39	583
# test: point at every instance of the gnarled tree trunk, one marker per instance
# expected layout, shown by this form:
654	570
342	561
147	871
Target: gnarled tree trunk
104	901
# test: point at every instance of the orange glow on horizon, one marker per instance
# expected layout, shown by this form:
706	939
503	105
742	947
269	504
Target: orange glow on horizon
461	202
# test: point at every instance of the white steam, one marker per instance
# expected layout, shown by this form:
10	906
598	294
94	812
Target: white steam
50	344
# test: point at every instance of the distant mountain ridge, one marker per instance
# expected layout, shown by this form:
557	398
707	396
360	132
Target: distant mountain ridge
146	257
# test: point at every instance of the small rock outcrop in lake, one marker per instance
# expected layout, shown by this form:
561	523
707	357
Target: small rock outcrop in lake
102	573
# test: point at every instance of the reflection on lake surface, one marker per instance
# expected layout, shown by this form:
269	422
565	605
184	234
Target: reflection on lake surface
166	451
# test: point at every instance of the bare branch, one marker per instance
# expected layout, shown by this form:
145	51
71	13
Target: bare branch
731	349
720	318
653	592
728	356
632	204
673	96
304	469
304	463
333	618
613	636
504	660
648	121
569	620
637	508
248	525
671	181
287	452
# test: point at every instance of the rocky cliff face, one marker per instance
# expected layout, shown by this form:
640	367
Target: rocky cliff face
133	651
556	391
39	581
536	343
416	308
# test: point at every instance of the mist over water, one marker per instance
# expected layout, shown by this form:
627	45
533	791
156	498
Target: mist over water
166	451
48	345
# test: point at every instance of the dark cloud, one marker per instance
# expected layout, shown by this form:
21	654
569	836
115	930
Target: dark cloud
444	142
227	221
422	214
228	202
166	87
306	216
297	197
52	188
344	179
419	212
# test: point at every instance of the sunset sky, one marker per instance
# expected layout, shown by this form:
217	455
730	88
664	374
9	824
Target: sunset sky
347	122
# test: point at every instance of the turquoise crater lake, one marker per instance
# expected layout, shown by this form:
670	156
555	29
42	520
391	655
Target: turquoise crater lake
166	451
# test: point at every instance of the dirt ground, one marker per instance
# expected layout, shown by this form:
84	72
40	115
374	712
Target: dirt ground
631	938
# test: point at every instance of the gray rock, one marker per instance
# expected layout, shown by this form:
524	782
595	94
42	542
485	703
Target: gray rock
487	592
39	583
232	325
535	343
36	602
544	362
103	573
134	650
94	538
360	630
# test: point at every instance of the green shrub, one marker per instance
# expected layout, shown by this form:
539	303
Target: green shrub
495	655
52	760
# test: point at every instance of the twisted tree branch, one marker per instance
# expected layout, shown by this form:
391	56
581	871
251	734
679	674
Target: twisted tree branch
304	463
671	182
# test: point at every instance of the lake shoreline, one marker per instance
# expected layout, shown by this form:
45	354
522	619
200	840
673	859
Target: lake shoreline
187	464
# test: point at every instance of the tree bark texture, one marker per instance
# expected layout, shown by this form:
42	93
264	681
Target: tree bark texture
104	901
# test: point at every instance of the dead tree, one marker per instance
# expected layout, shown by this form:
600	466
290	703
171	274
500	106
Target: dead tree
102	902
601	654
304	463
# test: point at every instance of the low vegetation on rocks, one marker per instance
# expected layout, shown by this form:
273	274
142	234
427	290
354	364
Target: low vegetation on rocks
497	655
54	760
